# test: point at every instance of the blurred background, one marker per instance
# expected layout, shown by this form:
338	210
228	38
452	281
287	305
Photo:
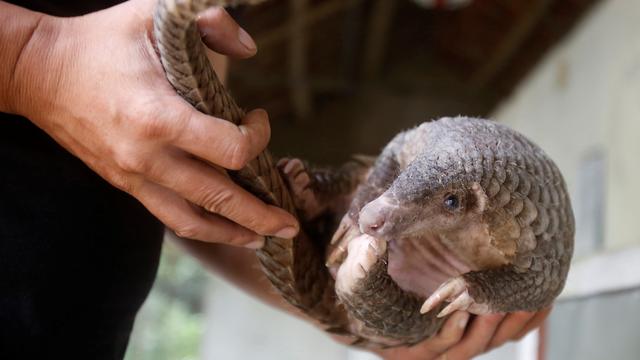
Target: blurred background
343	76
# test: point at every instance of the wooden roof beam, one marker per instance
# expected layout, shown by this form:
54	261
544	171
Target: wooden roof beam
509	46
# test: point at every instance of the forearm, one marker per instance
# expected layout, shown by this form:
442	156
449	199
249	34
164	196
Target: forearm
241	267
19	30
238	265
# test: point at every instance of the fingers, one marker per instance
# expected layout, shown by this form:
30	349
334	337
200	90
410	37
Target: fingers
202	185
533	323
510	327
490	331
222	142
222	34
190	222
477	338
484	333
450	333
517	325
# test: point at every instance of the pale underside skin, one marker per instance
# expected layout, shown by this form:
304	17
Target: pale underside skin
416	264
419	264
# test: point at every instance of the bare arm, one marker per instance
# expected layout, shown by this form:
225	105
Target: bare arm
18	27
239	266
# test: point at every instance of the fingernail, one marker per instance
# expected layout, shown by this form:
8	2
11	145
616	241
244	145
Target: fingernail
464	319
246	40
255	245
287	233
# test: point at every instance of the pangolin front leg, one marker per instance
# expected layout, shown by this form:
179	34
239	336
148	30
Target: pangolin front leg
299	180
317	191
505	289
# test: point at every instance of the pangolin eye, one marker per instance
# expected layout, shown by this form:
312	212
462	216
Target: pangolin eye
451	202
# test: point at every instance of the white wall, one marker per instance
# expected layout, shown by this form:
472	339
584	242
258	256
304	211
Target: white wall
241	327
585	97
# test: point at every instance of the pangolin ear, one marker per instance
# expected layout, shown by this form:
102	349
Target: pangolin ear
479	200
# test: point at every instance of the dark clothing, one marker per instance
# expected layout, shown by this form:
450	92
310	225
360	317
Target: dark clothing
77	256
65	7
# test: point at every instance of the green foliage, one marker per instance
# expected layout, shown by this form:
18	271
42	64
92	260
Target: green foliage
170	324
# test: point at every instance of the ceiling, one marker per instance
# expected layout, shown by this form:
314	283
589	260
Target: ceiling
341	69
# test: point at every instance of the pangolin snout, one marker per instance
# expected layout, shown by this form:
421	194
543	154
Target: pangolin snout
375	218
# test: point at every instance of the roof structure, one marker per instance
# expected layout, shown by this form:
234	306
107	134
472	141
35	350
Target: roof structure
353	72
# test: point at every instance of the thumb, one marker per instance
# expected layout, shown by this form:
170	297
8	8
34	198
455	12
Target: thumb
223	35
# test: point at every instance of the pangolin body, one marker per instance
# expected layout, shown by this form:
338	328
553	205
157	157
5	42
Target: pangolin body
462	201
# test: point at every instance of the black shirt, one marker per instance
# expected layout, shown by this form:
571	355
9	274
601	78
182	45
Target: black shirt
65	7
77	256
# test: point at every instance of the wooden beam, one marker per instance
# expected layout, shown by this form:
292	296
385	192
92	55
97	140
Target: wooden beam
380	22
312	16
511	43
299	91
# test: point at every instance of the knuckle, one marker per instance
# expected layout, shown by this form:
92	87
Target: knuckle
217	201
123	183
150	121
239	154
128	159
154	128
119	179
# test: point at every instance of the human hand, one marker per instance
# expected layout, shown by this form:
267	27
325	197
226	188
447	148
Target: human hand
457	341
95	84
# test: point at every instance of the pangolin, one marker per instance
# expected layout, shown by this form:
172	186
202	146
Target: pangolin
455	214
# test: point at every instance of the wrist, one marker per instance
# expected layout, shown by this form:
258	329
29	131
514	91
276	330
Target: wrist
37	69
18	27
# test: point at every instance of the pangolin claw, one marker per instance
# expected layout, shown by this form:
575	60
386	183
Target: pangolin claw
456	292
